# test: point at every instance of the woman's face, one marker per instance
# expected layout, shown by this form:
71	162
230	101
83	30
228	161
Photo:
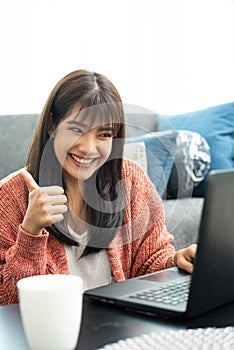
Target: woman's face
81	149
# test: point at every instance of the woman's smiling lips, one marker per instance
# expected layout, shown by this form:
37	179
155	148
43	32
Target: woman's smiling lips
81	161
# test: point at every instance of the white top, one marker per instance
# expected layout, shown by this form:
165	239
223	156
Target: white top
94	269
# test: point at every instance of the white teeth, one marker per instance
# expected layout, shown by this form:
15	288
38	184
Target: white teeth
82	160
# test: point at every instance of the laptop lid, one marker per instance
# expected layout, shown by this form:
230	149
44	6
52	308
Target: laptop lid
213	277
212	281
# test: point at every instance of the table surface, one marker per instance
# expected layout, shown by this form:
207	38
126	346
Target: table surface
103	324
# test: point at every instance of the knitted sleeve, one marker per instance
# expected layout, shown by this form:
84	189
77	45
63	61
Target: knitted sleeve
21	254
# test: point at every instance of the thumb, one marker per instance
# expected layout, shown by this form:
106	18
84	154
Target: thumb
29	180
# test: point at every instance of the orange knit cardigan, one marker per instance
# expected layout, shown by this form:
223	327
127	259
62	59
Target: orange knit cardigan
143	244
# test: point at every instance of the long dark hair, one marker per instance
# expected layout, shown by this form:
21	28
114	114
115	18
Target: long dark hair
84	89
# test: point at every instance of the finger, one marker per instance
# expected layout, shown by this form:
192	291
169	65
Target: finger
55	199
190	252
58	199
52	190
188	266
184	259
29	180
56	218
183	263
56	209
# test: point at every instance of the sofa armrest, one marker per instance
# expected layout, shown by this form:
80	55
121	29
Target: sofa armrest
16	133
183	219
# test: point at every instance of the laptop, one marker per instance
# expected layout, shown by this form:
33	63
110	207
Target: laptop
174	292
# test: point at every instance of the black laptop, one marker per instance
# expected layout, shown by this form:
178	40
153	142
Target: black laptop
175	293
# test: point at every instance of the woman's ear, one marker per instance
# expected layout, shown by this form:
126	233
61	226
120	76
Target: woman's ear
51	127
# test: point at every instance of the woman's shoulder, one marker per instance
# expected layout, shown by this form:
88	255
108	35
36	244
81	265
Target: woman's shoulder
13	200
13	182
142	193
134	172
140	181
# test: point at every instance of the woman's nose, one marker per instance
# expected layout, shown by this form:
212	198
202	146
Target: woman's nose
86	143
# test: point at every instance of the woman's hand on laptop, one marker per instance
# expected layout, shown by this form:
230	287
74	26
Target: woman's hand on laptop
184	258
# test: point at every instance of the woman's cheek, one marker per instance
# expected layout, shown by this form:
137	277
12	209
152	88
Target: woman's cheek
105	148
61	152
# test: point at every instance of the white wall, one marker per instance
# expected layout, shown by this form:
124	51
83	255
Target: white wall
169	56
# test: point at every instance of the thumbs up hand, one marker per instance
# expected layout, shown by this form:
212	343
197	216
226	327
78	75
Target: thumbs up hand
46	205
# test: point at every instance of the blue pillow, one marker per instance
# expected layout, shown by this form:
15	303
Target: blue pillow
216	125
160	150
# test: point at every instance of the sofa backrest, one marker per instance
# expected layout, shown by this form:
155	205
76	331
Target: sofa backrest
17	130
138	124
16	133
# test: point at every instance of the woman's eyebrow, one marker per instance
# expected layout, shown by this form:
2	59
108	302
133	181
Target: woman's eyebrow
80	124
105	128
75	122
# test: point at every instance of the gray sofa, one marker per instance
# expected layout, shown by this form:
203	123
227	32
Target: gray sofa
182	215
204	142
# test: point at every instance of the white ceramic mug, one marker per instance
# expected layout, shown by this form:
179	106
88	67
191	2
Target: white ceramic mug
51	309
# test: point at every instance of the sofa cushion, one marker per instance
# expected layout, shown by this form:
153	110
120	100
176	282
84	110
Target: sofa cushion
154	152
191	164
216	125
175	161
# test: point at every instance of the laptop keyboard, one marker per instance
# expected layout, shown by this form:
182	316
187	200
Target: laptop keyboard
172	293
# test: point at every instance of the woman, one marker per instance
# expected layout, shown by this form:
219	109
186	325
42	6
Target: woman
78	207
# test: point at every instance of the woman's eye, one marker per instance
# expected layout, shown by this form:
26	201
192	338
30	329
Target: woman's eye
106	134
77	130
